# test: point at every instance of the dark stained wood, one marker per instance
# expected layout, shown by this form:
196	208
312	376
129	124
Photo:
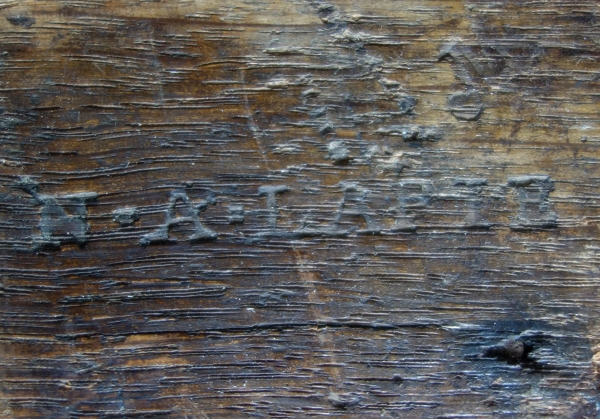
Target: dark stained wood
299	208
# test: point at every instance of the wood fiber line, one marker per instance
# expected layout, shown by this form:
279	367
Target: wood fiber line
299	209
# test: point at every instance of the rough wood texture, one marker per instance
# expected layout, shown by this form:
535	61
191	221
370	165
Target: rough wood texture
299	208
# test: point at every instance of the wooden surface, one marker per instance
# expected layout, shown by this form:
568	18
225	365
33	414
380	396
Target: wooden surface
298	208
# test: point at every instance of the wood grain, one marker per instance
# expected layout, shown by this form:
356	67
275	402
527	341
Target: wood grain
299	208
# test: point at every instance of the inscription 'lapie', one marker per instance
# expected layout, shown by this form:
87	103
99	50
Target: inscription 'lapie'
64	218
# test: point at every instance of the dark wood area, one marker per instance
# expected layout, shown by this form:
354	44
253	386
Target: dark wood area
299	208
